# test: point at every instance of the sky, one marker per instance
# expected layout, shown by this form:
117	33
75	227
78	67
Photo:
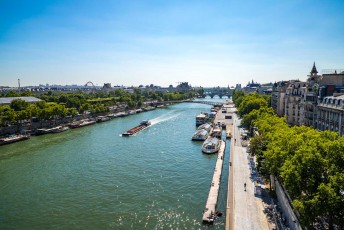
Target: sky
206	43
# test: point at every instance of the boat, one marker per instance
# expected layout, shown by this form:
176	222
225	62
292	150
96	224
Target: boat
121	114
201	119
211	145
131	112
143	125
138	110
205	126
60	129
13	138
103	118
81	123
200	135
217	132
57	129
149	108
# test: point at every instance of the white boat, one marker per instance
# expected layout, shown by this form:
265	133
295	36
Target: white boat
201	119
205	126
217	132
211	145
200	135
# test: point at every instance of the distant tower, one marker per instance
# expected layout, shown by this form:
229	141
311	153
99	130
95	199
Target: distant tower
18	84
314	70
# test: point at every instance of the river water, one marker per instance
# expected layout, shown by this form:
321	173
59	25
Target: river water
92	178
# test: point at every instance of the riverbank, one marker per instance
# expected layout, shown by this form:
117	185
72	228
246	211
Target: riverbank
30	127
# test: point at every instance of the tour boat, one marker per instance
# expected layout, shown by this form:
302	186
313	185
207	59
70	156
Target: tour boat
211	145
217	132
200	135
201	119
144	124
205	126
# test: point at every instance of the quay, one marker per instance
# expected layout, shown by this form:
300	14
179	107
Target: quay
209	213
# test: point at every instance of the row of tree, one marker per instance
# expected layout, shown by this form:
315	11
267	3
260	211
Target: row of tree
309	163
59	105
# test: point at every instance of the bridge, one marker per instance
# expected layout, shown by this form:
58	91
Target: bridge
218	91
207	102
156	103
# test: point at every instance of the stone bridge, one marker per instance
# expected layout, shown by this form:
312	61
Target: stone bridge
217	91
188	101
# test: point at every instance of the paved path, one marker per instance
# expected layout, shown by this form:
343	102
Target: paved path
244	209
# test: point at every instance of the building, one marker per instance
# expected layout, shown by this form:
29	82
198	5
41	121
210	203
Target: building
8	100
277	97
330	114
292	100
251	87
309	98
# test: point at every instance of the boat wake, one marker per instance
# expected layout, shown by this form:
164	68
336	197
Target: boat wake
164	118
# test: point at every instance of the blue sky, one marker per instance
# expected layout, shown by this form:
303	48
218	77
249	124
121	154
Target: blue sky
207	43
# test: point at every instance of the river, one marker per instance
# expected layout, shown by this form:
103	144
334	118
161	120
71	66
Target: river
92	178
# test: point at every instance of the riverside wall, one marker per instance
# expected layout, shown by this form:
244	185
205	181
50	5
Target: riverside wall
284	201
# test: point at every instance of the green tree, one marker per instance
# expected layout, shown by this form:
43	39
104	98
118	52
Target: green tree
19	104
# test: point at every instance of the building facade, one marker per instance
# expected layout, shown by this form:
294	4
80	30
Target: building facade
309	99
292	100
330	114
277	97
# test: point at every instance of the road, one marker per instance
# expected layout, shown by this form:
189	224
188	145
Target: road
244	209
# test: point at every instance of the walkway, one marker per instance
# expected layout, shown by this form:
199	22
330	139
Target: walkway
244	209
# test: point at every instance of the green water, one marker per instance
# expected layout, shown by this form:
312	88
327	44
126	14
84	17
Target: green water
92	178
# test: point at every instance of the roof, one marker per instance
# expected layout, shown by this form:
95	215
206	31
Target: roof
8	100
314	70
201	115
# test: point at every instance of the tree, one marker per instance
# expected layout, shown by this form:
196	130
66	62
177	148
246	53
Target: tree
19	104
251	102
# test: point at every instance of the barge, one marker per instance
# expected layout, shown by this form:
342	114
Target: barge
82	123
143	125
13	138
57	129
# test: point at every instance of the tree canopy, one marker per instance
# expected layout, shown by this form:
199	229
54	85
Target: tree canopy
309	163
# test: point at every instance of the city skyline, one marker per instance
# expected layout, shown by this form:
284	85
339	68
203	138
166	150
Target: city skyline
204	43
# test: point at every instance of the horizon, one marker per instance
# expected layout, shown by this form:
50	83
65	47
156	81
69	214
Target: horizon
206	44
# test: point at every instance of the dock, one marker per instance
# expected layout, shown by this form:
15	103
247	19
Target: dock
209	213
229	131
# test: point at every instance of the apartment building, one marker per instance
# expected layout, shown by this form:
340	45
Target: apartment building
330	114
277	97
294	92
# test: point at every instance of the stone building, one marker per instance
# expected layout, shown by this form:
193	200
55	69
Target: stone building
277	97
330	114
292	100
309	98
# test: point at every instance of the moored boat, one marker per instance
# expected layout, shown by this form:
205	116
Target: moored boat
149	108
217	132
57	129
13	138
211	145
103	118
82	123
205	126
201	119
200	135
143	125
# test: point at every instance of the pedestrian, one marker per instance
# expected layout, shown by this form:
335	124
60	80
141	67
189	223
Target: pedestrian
245	186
